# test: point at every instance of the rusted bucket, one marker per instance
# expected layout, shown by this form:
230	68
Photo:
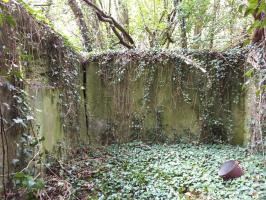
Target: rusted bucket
230	169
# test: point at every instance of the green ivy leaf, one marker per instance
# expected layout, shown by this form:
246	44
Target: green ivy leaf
249	73
257	23
19	175
263	23
252	4
263	86
1	19
248	11
30	183
241	8
262	7
247	42
258	93
10	20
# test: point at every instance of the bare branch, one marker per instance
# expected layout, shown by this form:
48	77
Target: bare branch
124	38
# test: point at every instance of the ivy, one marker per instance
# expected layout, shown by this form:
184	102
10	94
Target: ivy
218	79
176	172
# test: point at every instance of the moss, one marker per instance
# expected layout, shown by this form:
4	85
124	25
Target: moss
169	99
240	114
47	115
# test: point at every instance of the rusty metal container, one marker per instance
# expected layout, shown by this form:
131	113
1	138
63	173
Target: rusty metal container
230	170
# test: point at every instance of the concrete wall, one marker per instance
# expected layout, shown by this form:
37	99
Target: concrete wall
153	107
46	107
103	104
39	82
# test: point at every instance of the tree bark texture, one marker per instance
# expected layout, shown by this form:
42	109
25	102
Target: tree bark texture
184	43
81	23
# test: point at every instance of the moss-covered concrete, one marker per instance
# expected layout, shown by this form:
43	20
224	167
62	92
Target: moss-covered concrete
155	107
47	111
37	59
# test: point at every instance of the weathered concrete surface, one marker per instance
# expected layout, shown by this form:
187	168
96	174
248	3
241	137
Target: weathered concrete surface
46	106
156	104
37	60
165	110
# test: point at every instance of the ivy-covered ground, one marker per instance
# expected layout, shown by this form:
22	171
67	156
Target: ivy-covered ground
180	171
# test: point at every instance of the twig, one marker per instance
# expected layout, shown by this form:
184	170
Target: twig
3	151
31	161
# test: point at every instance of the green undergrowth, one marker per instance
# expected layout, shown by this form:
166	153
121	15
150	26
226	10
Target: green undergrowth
181	171
140	171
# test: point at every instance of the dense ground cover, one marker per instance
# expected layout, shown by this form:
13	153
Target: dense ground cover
137	171
180	171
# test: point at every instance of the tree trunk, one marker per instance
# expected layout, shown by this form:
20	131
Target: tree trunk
97	30
216	7
232	20
257	59
122	12
183	33
81	23
182	25
197	35
259	33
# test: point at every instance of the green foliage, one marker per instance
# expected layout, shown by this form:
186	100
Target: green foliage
30	183
27	143
149	23
38	14
5	17
253	7
249	73
138	171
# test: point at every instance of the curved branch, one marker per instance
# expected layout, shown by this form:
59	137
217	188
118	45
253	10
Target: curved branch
118	29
